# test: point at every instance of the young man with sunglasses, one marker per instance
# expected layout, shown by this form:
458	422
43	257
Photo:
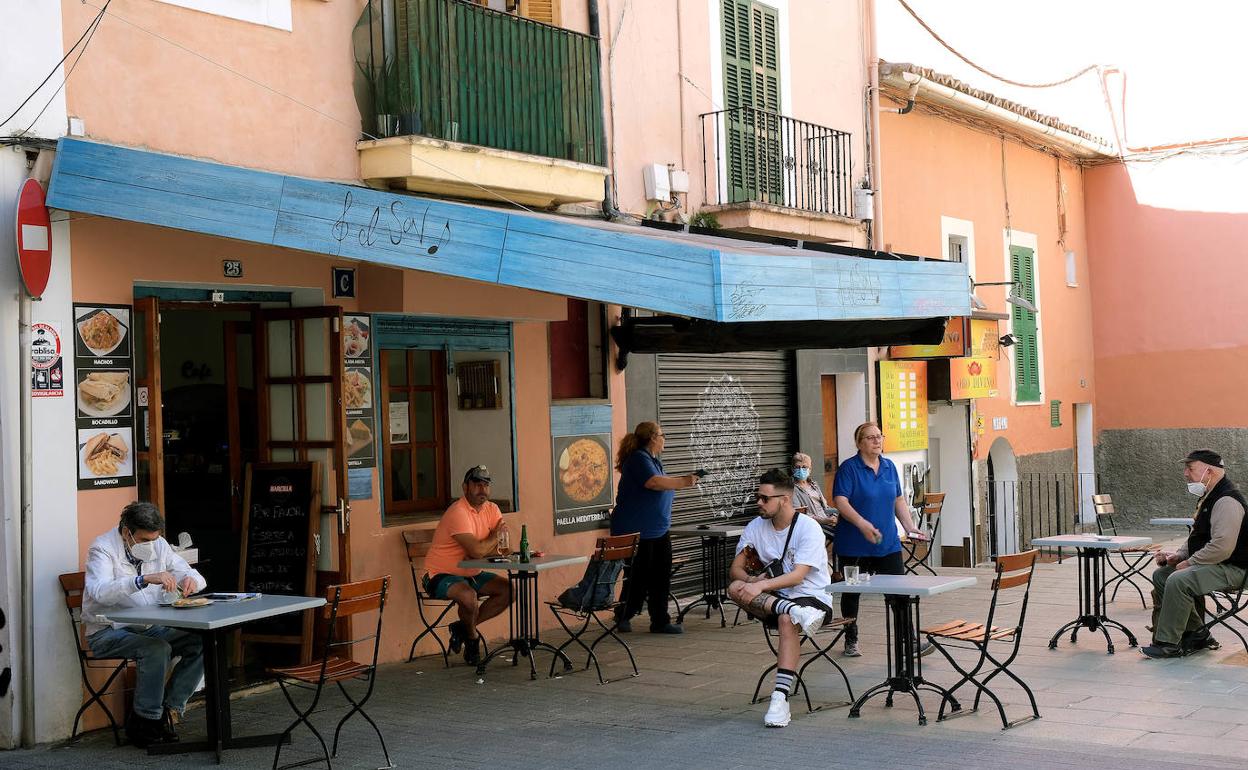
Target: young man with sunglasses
791	591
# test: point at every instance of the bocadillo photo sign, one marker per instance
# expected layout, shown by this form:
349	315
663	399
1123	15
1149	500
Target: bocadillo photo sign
104	396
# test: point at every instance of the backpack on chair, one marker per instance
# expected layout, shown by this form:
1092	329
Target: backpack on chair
596	589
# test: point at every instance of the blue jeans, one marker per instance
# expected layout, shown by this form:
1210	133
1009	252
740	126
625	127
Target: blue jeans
153	648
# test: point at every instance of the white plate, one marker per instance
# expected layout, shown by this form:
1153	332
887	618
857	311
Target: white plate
126	468
118	406
101	352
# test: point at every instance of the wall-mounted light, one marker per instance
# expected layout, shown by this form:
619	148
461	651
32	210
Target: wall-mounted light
1014	297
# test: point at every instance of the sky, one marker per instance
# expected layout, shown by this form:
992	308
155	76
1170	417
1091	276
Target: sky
1183	61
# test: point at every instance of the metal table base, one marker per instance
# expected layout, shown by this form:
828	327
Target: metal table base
523	625
1092	564
715	561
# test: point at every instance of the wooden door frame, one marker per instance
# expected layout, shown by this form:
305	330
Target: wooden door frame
155	454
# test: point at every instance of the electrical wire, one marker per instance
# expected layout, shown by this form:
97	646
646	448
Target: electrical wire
303	104
85	34
94	26
955	52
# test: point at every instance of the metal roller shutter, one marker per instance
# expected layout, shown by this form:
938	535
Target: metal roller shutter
733	415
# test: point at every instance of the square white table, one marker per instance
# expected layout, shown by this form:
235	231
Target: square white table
905	666
212	621
716	558
522	614
1092	551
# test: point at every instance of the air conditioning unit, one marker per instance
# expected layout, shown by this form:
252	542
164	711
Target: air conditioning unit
658	182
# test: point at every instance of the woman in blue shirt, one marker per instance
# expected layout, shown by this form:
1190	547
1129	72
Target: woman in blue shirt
868	496
643	503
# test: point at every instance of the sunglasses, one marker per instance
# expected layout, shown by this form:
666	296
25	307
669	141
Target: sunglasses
761	498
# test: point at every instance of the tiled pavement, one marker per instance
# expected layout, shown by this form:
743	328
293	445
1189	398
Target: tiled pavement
690	707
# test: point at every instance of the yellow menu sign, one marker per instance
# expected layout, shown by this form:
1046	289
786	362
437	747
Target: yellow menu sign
903	405
984	338
954	344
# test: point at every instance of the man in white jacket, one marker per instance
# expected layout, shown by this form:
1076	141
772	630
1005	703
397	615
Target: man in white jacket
133	566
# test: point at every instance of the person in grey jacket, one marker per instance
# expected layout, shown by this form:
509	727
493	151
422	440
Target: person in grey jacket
133	566
1214	558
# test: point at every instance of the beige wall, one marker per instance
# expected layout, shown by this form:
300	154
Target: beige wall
933	168
1167	240
136	89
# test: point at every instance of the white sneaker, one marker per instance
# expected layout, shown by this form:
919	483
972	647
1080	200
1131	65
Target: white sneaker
778	712
851	650
809	619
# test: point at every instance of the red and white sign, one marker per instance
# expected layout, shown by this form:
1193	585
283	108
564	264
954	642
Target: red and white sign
34	238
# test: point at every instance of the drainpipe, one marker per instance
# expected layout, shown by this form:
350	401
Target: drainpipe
609	211
27	563
913	80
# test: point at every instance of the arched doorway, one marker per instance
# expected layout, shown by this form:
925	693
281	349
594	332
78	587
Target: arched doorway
1002	498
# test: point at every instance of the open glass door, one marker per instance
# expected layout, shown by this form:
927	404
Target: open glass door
150	454
299	370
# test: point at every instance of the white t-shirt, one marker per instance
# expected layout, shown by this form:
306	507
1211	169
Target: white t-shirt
805	547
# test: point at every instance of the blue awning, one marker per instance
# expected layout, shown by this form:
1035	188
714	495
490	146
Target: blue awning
683	275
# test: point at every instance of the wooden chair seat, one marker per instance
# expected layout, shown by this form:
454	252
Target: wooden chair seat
1154	548
969	630
336	670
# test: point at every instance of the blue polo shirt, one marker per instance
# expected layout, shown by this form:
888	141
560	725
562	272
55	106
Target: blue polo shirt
637	509
873	495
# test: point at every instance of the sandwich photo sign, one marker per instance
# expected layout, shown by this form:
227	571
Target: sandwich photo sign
357	391
104	395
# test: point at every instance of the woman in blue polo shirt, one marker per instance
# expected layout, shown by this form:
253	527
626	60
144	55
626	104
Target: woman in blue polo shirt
643	503
868	496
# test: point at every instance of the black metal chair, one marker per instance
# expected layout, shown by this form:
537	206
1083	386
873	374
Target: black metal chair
1131	561
336	666
1227	607
74	584
611	555
820	647
418	542
929	521
1013	571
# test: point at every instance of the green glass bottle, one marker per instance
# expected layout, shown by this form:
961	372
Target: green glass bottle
524	542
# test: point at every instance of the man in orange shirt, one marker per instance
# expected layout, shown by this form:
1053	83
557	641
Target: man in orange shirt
468	530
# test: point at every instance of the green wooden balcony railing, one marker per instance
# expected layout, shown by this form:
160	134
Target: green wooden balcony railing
455	70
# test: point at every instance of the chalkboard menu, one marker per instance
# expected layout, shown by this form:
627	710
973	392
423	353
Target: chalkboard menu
281	505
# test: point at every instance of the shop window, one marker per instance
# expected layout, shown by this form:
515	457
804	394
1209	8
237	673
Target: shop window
414	431
578	352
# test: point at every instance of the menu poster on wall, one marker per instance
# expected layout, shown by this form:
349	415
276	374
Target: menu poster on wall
357	391
104	380
903	405
583	493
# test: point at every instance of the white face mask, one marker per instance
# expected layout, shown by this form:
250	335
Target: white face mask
1198	487
145	551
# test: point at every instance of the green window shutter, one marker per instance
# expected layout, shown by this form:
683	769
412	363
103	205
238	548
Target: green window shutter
751	51
1055	414
1027	349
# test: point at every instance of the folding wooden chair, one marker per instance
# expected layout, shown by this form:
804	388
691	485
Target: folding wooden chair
343	601
929	520
417	542
821	645
73	584
1131	561
1013	571
611	555
1227	607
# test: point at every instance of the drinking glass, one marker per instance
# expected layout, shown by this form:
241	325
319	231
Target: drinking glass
851	575
504	542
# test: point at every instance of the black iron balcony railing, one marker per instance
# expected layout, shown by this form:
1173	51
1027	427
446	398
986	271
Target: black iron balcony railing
455	70
754	155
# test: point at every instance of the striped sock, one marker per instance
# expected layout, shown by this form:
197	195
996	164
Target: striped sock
782	606
784	681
